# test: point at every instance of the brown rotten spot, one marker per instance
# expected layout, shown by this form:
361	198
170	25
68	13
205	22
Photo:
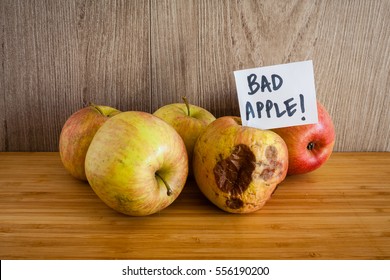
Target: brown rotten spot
234	173
234	203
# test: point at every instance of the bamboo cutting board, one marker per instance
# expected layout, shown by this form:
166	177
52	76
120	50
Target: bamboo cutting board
341	211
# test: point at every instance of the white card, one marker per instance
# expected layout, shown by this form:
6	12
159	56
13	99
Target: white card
277	96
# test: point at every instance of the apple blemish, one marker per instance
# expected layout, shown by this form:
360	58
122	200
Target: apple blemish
271	154
244	165
267	173
234	203
234	173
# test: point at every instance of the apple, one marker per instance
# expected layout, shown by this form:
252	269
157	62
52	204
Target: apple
77	134
137	163
237	167
188	120
309	146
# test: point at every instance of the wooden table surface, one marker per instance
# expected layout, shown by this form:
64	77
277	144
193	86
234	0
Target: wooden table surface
341	211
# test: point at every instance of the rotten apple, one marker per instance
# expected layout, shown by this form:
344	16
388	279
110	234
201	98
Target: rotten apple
309	146
77	134
237	167
137	163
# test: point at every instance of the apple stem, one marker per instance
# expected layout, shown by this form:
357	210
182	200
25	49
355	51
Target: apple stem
187	105
310	146
169	190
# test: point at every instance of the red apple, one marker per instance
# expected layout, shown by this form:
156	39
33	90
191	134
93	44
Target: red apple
237	167
188	120
137	163
309	146
77	134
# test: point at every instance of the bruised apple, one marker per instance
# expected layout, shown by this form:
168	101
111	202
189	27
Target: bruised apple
77	134
137	163
309	146
237	167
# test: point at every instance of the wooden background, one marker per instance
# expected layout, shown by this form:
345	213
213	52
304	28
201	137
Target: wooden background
56	56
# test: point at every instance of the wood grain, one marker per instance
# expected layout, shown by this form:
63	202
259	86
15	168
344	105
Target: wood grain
352	72
175	61
340	211
57	56
3	123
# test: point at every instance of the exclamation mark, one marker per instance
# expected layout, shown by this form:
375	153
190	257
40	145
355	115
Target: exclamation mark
302	105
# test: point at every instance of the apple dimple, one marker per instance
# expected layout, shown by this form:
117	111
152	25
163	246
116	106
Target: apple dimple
237	120
310	146
234	173
168	187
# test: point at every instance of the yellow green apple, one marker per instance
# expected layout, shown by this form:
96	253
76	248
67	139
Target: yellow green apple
237	167
137	163
76	136
188	120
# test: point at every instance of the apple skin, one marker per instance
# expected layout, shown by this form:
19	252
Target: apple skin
77	134
309	146
238	168
137	163
189	126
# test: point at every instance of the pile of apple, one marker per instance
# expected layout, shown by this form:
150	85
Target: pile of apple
138	163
